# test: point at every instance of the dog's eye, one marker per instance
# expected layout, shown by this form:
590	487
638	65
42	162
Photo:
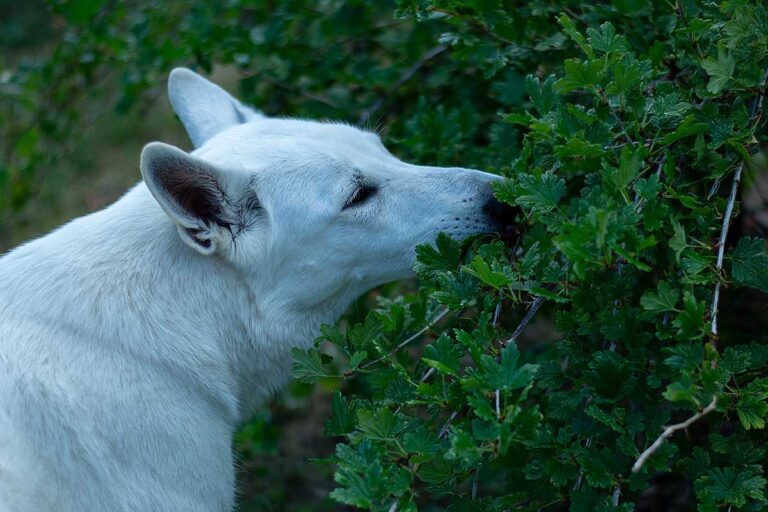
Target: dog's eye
361	194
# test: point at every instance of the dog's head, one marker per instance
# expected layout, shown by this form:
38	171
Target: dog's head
317	210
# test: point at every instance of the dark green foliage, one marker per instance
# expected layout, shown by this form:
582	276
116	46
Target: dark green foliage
619	127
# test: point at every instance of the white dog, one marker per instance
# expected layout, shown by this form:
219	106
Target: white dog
135	339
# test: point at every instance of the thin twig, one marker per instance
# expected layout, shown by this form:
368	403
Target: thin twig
616	494
393	507
476	24
475	482
408	340
407	75
577	483
447	424
668	432
534	307
757	106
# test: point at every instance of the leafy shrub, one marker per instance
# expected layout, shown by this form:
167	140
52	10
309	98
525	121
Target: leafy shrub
624	151
624	130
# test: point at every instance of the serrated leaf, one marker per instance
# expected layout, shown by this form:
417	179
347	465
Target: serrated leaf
443	356
606	419
431	261
690	320
733	486
570	29
536	193
307	365
580	75
378	425
720	70
678	242
605	39
543	95
506	374
664	299
688	127
750	263
342	420
481	270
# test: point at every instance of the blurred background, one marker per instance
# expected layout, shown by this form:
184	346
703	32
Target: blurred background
82	89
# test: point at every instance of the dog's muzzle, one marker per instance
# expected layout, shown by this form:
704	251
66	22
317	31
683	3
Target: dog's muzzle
501	215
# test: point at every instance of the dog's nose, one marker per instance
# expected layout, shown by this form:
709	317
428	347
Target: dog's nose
501	215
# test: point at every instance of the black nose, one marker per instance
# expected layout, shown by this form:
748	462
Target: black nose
500	215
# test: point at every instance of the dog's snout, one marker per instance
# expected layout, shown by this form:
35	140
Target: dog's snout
501	215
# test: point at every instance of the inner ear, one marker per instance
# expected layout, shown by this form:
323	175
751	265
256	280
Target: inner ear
195	189
192	192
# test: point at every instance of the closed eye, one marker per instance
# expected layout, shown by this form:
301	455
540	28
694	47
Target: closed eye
361	194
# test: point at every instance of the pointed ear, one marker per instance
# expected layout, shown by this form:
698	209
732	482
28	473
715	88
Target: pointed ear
192	193
204	108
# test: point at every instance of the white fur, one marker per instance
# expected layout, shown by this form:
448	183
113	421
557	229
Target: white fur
129	354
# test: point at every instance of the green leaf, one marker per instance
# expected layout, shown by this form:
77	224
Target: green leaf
750	263
543	95
307	365
570	29
444	256
678	242
752	411
752	406
690	321
720	70
481	270
688	127
421	441
606	419
605	39
732	486
506	375
664	299
580	75
343	420
381	425
630	163
443	356
539	194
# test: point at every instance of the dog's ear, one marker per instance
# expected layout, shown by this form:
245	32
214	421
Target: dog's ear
192	192
204	108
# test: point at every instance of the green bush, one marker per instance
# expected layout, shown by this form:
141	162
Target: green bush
624	130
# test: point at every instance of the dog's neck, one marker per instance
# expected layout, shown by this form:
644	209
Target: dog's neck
158	301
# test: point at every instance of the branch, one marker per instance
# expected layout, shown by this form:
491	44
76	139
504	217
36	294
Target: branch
616	495
447	425
755	113
757	106
476	24
532	309
408	340
668	432
407	75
